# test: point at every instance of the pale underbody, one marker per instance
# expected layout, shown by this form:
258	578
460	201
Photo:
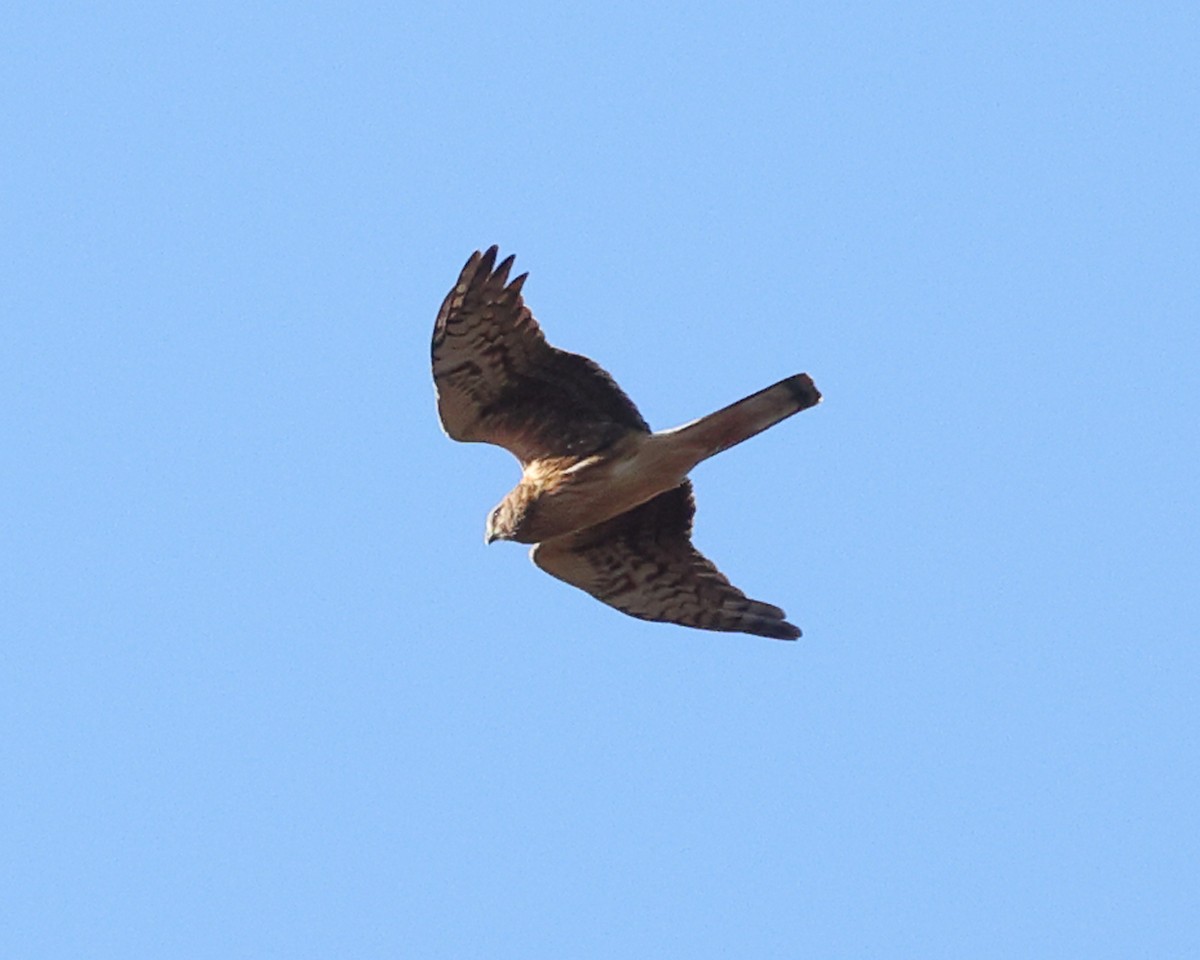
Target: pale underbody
562	499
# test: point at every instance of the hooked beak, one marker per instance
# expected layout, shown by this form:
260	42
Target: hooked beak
489	538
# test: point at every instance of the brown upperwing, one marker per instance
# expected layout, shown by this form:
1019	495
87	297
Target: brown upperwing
644	564
499	381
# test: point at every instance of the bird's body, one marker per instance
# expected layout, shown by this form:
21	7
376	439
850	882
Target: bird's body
606	501
553	499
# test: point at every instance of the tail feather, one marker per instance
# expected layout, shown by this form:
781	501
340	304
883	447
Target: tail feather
749	416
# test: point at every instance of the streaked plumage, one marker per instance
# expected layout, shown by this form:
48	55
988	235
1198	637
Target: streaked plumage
606	502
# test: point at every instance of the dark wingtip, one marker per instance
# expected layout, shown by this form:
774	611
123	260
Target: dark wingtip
480	264
803	390
775	629
500	274
787	631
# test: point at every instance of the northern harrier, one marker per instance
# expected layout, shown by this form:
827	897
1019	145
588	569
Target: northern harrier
606	502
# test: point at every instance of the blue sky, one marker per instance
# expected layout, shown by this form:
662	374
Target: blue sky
263	690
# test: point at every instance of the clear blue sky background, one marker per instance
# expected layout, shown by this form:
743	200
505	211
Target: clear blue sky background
265	693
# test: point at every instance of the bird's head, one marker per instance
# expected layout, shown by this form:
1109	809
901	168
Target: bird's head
510	520
497	526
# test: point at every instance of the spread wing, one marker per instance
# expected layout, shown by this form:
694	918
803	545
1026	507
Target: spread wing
643	563
499	381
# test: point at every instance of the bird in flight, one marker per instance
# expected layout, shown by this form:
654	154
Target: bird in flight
605	500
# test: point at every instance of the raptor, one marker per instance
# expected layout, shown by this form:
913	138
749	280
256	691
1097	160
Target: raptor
605	500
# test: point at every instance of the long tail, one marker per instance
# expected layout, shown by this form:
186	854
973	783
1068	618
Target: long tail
751	415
